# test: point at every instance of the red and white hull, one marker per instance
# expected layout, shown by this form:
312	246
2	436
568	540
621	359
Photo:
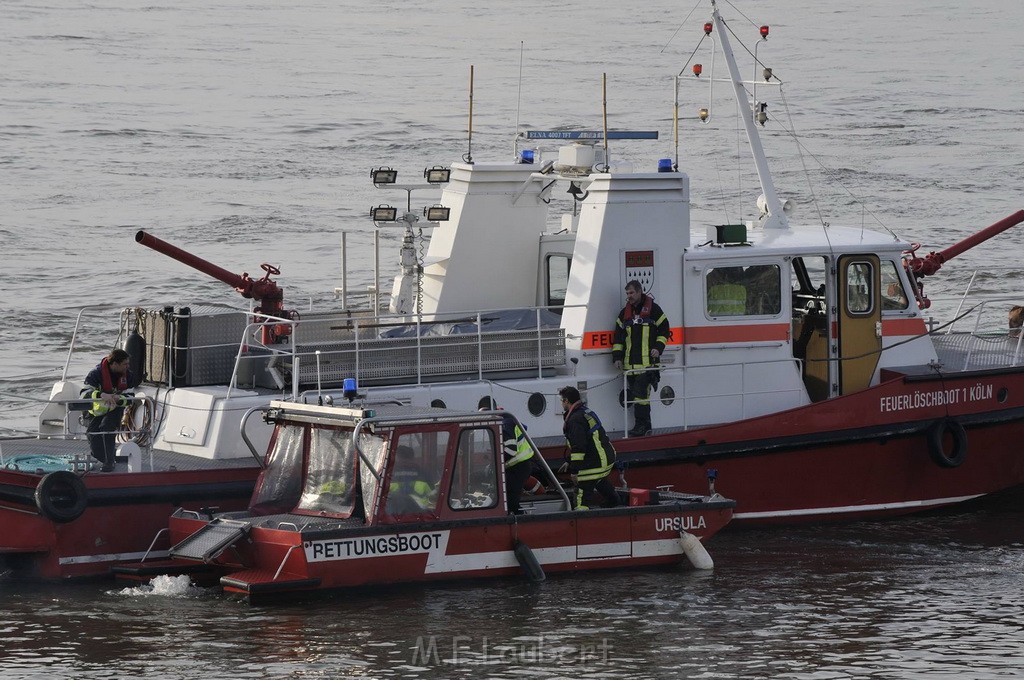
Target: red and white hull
283	560
883	451
122	515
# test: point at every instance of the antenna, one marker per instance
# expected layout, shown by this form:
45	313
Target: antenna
469	146
675	118
519	97
604	107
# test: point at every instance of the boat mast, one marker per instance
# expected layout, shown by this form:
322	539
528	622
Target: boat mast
776	218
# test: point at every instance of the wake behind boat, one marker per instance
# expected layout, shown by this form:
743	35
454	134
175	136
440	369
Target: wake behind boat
801	367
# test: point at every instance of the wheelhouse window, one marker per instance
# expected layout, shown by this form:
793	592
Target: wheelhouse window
416	474
474	477
330	477
894	297
860	295
743	291
557	271
280	484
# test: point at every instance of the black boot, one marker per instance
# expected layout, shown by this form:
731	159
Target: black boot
641	420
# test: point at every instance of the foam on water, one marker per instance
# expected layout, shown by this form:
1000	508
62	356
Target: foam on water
165	586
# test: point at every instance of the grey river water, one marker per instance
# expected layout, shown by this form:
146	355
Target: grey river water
244	131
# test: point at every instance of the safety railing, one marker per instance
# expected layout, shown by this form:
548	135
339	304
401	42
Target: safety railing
324	350
741	394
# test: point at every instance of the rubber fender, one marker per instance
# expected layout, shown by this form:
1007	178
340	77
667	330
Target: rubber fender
135	345
528	561
695	551
937	443
61	496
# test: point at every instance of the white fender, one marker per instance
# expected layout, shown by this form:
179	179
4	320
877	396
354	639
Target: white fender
695	551
133	452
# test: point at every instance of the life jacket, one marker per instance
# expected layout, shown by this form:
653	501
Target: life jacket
516	448
533	485
645	311
107	386
640	333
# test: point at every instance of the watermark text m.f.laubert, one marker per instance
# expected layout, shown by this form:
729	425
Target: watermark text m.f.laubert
434	650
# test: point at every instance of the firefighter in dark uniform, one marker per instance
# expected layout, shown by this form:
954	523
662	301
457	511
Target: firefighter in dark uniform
641	332
105	385
591	455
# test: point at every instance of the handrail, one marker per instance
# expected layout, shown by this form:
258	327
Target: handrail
357	325
88	308
537	455
245	437
742	393
153	543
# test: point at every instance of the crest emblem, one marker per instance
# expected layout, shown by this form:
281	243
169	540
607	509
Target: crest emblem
640	266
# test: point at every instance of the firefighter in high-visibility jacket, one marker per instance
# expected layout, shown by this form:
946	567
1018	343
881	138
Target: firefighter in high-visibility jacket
409	490
518	460
105	385
641	333
591	456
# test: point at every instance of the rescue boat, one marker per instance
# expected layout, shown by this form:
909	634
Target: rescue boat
335	508
806	366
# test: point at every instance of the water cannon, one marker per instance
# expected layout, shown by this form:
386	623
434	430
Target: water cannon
919	267
264	290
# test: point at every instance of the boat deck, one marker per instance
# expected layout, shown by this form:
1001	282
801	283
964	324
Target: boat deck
154	460
973	352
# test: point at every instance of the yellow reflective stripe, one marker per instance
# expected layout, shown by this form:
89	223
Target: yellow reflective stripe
593	473
727	299
522	451
574	456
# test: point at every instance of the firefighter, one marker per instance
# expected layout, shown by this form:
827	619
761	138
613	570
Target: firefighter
106	385
591	455
409	490
518	461
641	333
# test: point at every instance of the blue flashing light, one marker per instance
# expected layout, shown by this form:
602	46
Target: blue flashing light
665	165
526	156
349	389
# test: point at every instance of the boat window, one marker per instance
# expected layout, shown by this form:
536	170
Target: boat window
744	291
557	279
893	295
374	453
474	477
330	476
860	298
280	484
415	476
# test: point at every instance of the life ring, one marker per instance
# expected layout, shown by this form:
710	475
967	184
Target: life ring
61	496
937	443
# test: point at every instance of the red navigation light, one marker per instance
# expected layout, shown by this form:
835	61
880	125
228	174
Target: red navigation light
697	69
707	28
764	32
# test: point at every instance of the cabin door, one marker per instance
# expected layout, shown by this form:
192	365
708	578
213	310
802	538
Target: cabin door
553	273
859	320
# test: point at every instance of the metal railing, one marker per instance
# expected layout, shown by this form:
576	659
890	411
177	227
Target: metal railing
739	391
354	347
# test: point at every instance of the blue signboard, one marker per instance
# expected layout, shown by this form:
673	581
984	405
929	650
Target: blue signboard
571	135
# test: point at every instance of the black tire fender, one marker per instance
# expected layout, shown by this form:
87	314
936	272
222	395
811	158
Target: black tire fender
61	496
937	443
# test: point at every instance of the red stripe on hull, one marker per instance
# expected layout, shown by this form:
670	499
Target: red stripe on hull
861	455
114	531
777	332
